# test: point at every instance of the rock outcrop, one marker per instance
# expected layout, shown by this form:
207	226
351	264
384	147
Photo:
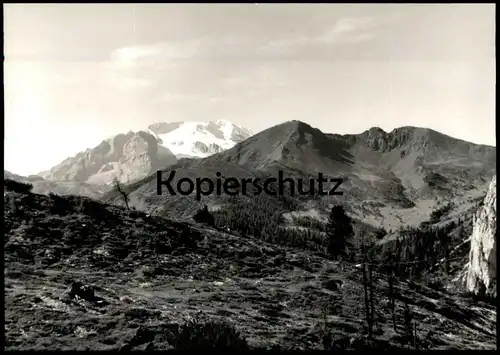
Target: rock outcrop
135	155
127	157
481	273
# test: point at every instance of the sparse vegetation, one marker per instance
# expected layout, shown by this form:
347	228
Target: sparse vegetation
204	216
435	180
418	248
74	234
309	222
17	186
380	233
436	215
198	335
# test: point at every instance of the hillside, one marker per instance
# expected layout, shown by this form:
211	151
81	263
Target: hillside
82	275
43	186
390	179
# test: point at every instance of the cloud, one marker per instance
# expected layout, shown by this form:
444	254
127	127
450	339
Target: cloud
352	24
156	52
134	83
134	53
346	30
220	66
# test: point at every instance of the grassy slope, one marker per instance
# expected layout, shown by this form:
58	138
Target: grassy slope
152	272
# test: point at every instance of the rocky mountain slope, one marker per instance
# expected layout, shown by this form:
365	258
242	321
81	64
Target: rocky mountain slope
482	267
128	157
198	139
132	156
390	179
82	275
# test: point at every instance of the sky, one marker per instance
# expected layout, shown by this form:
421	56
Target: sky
75	74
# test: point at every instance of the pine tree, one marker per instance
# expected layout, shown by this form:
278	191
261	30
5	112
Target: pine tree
204	216
339	230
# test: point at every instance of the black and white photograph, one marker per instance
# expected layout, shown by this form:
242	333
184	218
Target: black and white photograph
249	176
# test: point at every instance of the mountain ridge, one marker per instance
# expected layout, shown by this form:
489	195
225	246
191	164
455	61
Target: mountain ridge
420	169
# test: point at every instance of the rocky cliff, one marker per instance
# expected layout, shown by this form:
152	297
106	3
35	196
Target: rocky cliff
481	273
127	157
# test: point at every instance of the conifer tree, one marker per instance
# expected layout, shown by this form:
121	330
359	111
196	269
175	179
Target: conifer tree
339	230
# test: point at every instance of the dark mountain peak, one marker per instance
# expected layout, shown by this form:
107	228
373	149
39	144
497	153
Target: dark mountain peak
376	131
408	138
292	144
293	131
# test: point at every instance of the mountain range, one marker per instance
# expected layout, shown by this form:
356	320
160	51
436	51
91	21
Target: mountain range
390	178
111	273
129	157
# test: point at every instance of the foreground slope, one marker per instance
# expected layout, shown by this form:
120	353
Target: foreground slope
82	275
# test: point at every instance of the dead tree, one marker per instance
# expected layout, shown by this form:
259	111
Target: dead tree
122	192
390	270
365	286
392	298
415	335
408	319
367	307
370	287
446	248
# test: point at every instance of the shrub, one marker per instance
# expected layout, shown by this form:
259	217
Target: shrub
212	335
435	180
380	233
16	186
204	216
436	215
94	209
60	205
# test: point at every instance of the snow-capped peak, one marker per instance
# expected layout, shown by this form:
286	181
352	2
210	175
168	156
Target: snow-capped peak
198	139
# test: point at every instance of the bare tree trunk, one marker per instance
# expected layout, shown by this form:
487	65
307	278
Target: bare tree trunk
372	308
415	335
365	287
446	258
392	298
367	307
123	193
